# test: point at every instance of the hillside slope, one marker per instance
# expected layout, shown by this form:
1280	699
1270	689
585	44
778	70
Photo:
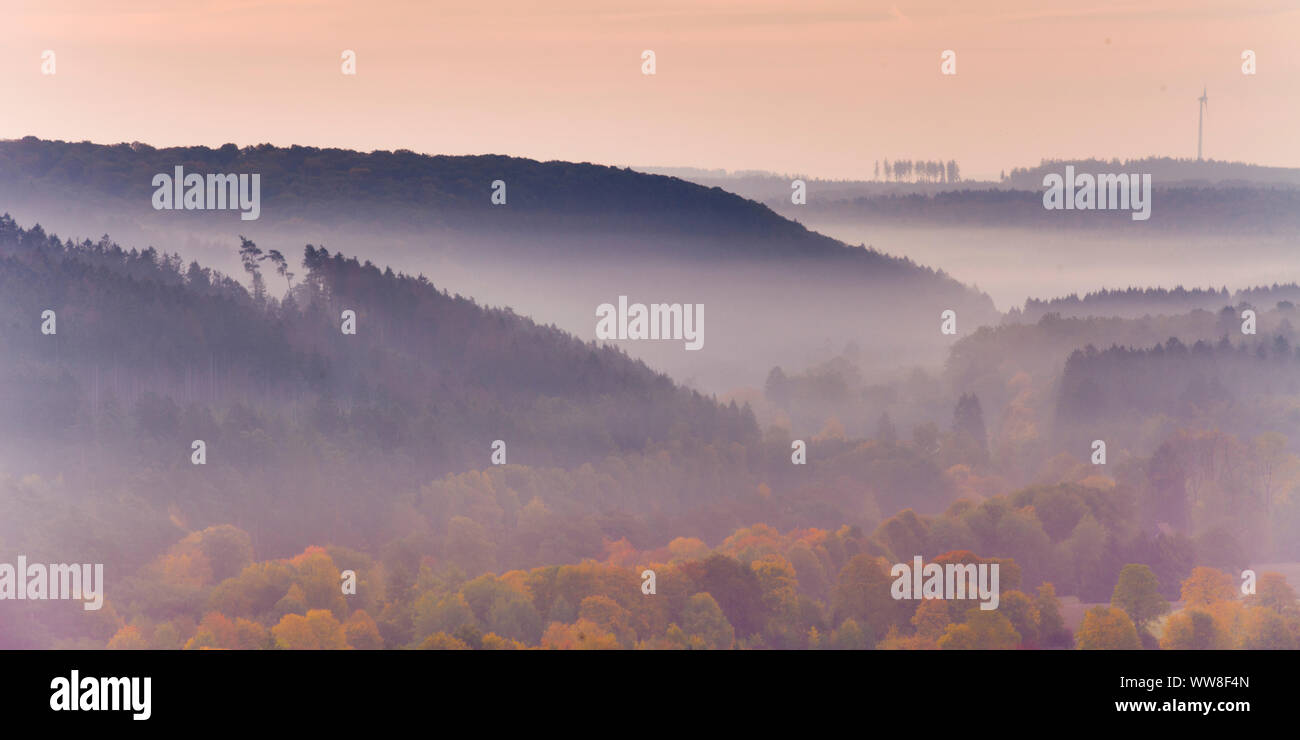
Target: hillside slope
569	238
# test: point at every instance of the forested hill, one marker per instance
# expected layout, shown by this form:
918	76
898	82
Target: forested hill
428	365
568	238
148	354
1164	170
405	190
1134	302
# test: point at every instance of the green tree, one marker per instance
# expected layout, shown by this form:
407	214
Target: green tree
982	630
1192	629
849	636
1023	613
446	613
1272	591
862	594
703	619
1051	625
1138	593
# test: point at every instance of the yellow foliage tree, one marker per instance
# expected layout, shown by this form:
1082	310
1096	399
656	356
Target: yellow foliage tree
931	618
982	630
493	641
1107	628
128	638
319	630
1265	629
361	632
318	576
1206	586
443	641
581	635
1274	592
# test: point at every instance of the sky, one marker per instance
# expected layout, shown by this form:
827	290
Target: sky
819	88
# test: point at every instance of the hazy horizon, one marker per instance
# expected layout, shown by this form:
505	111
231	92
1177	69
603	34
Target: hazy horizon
855	83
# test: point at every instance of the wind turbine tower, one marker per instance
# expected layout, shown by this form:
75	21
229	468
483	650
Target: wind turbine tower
1200	121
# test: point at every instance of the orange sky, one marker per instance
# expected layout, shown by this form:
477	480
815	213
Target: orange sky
819	87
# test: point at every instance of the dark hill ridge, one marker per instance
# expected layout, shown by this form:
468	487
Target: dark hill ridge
570	238
1256	209
403	188
1164	170
137	325
1135	302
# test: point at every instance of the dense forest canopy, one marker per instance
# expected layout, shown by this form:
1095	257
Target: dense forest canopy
329	452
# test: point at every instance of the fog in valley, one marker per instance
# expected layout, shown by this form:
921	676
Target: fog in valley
387	374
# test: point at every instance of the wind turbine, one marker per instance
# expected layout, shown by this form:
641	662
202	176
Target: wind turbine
1200	120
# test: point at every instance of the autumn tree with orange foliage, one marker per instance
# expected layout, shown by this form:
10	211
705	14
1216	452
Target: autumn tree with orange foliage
319	630
1205	586
1107	628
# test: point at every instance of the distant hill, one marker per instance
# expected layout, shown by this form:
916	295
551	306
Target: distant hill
1139	302
569	238
138	323
422	192
1193	196
1167	171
